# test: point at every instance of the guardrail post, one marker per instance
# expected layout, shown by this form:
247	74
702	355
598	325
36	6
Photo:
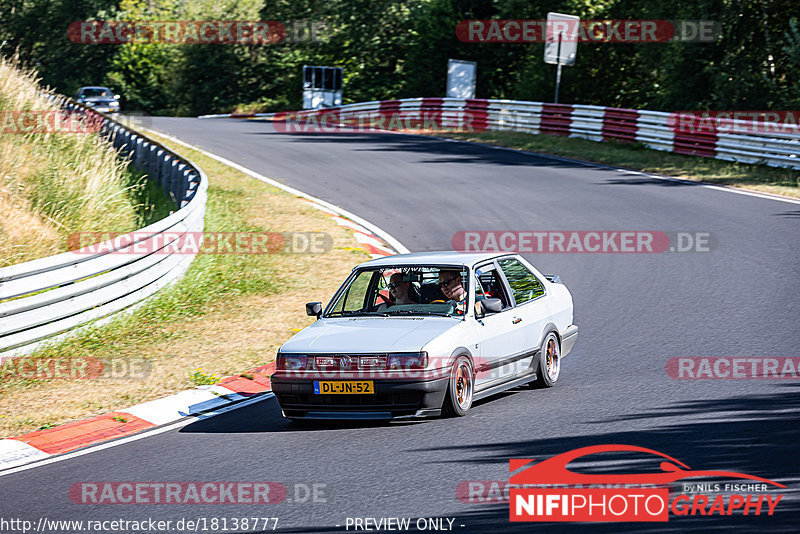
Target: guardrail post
160	166
192	181
152	162
142	148
173	178
129	139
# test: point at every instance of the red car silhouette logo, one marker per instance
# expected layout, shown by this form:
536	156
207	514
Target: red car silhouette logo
554	470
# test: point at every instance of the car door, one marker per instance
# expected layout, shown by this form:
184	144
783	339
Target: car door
530	307
502	338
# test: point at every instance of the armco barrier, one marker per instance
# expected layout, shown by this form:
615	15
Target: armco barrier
44	299
658	130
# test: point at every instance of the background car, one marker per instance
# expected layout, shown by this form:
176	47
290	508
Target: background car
371	358
102	99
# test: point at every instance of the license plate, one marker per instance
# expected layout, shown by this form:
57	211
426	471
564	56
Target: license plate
343	387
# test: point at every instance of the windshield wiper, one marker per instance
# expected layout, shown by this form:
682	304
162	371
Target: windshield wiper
418	312
356	313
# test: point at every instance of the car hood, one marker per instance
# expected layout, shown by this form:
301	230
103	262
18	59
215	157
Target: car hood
369	334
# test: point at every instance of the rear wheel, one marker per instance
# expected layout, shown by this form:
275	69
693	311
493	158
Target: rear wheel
458	400
549	362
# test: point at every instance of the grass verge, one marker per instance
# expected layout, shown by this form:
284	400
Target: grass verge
228	313
54	183
762	178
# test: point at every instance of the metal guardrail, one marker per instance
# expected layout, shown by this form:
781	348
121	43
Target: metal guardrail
776	146
43	300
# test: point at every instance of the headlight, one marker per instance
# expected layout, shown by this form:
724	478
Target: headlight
409	360
291	362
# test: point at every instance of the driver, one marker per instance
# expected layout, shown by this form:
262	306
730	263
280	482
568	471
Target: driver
451	285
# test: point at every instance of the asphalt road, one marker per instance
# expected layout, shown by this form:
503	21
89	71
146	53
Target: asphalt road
635	312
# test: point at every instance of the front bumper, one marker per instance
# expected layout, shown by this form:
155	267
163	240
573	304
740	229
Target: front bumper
103	108
393	398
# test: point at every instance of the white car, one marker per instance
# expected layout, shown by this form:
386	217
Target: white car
423	334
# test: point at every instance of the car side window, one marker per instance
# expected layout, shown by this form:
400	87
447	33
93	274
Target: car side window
524	285
489	280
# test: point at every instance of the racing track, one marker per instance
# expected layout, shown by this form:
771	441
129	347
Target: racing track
635	312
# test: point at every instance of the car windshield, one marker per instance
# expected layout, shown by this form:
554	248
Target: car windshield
93	92
403	291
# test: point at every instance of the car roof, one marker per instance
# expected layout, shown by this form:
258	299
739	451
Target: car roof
446	257
94	87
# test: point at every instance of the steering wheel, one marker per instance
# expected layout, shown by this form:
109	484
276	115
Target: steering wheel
386	300
437	301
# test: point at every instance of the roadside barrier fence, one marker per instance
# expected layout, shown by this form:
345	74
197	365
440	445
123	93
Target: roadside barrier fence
44	299
693	133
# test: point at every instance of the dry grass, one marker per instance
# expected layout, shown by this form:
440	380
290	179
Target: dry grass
244	309
54	184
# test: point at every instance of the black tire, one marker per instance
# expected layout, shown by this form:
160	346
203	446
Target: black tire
458	398
549	362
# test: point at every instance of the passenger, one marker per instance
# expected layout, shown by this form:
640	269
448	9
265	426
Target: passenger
453	290
401	291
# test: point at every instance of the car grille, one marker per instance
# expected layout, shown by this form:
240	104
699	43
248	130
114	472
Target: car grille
353	362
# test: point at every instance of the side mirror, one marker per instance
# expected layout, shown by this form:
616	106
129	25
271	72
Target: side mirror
116	97
314	309
482	307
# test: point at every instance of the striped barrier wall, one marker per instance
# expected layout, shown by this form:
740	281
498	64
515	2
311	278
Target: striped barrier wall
658	130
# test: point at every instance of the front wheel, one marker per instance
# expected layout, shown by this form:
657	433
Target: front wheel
458	400
549	362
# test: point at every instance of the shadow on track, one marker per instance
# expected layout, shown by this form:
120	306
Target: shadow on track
753	435
756	435
440	150
638	179
789	214
265	416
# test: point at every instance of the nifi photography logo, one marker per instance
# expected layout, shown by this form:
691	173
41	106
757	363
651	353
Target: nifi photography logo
549	491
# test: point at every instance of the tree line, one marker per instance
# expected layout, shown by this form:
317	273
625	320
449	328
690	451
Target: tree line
398	49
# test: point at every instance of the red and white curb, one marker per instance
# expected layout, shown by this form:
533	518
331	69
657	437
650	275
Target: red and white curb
43	444
368	241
